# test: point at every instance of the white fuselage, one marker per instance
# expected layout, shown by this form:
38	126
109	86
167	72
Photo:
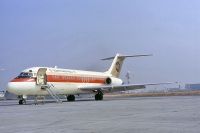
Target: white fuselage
62	81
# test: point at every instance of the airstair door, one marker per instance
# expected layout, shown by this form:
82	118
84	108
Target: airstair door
41	76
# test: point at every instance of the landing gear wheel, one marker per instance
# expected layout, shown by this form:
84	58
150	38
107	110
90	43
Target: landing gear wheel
98	97
71	98
22	101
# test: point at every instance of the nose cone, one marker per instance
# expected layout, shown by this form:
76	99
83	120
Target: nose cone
11	87
22	86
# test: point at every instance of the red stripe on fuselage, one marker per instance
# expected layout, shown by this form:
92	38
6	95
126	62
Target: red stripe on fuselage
61	78
75	79
23	80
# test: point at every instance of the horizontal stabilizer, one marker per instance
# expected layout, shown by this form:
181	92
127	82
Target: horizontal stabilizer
124	56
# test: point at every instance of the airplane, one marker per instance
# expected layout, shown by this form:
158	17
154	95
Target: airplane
2	95
41	81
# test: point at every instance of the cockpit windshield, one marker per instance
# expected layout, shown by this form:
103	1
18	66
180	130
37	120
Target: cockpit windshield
25	75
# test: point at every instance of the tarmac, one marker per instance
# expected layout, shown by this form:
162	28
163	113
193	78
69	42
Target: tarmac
172	114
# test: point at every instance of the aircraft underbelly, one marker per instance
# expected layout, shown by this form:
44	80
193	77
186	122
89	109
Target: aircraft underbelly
59	88
30	88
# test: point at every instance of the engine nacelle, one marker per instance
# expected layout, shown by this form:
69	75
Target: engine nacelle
108	81
113	81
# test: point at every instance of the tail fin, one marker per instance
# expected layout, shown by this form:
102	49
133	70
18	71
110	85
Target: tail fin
117	63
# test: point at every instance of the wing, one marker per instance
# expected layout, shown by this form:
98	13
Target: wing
115	88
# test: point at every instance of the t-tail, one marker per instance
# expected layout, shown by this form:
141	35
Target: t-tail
117	63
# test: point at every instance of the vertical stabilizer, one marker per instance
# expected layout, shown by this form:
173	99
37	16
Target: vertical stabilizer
117	63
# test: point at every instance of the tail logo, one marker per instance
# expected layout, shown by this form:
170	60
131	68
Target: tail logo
118	66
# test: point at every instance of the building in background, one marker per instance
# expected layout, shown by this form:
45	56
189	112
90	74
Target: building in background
192	86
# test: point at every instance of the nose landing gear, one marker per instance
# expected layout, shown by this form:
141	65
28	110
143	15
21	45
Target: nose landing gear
22	100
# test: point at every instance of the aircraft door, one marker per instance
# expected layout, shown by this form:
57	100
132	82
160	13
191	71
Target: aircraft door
41	76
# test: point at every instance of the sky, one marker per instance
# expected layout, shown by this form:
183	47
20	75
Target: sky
76	34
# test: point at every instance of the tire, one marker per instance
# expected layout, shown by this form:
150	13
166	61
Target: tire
20	102
71	98
98	97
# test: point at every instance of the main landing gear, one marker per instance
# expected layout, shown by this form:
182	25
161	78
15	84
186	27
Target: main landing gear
99	96
70	98
22	100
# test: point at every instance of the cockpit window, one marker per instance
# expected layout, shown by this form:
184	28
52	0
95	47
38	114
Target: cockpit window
25	75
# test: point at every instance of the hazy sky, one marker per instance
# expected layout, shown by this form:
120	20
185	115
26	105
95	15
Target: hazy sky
77	33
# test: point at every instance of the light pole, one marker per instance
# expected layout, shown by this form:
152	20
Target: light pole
128	77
